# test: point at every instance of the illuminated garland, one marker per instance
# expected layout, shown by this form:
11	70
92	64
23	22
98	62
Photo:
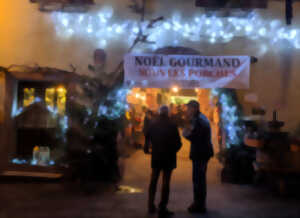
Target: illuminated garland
100	27
230	115
115	104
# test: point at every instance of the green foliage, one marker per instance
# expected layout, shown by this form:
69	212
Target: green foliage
90	130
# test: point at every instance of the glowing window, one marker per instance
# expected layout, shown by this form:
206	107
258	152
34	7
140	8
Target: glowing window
56	98
28	96
50	97
61	99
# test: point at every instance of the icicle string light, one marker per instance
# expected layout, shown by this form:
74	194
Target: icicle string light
102	29
230	119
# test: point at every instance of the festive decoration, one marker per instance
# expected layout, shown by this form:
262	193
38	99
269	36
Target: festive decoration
100	27
31	162
230	114
115	104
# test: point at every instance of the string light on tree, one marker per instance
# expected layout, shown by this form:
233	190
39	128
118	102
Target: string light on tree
115	104
230	117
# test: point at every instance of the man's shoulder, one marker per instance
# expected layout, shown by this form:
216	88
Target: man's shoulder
157	122
203	120
201	116
171	121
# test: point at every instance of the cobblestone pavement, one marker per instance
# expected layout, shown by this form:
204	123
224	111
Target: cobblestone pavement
224	200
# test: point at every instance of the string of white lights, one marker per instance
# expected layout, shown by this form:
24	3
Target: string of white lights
101	27
230	119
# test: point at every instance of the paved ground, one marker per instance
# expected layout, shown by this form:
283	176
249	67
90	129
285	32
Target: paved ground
224	200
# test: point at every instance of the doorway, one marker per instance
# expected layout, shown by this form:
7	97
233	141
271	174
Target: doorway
143	99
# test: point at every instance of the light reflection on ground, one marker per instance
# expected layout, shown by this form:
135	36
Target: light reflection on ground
123	189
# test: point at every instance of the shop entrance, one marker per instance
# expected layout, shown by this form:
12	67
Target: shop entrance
141	100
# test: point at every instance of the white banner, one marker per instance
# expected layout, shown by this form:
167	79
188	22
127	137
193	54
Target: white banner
187	71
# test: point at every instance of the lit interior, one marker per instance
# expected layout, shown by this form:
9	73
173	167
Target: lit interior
55	98
29	94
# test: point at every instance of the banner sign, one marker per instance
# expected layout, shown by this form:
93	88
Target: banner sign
187	71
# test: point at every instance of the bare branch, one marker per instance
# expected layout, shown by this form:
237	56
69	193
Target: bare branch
140	37
73	68
153	21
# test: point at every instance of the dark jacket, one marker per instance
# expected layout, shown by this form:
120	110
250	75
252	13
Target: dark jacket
165	139
147	122
200	137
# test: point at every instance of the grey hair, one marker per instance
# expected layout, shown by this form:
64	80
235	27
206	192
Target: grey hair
164	110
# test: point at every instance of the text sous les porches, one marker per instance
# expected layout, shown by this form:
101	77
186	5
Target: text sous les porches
157	66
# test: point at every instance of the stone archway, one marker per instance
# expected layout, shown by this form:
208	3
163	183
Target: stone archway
219	105
139	165
141	97
208	104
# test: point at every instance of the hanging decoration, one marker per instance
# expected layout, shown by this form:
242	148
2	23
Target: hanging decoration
231	115
115	104
187	71
102	29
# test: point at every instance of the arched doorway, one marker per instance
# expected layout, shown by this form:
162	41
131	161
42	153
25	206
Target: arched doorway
219	105
142	99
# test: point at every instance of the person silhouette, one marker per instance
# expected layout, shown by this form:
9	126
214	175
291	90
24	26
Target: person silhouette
165	142
198	132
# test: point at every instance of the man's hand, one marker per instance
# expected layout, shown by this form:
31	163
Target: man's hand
186	132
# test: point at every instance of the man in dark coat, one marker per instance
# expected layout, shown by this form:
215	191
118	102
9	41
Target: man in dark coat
165	140
199	134
148	117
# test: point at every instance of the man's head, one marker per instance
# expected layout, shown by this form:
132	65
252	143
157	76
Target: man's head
164	110
149	113
193	107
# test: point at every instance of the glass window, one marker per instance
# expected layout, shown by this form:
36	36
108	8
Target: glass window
61	99
50	97
55	98
28	96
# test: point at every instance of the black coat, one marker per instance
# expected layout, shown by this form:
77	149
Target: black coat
200	138
166	142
